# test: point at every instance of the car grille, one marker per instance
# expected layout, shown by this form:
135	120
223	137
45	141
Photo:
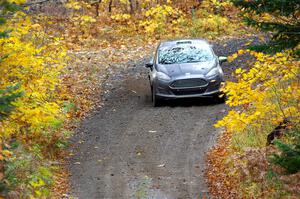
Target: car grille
189	91
188	83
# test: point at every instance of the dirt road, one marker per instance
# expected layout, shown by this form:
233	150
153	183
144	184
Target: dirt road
128	149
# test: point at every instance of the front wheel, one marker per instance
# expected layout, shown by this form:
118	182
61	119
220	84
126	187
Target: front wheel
155	100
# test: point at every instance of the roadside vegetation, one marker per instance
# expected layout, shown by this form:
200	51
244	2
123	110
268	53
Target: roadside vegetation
258	154
55	55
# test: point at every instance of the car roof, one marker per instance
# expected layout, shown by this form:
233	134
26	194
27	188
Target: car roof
170	43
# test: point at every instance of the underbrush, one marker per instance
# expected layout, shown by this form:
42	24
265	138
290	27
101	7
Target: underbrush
260	157
27	173
210	23
250	138
81	29
34	112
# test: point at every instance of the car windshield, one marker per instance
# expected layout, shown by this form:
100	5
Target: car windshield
184	54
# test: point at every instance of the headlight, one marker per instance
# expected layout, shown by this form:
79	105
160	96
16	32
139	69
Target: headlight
213	72
162	76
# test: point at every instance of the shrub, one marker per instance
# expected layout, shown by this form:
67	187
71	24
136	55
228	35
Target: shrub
27	174
160	19
266	94
262	97
210	26
33	61
289	156
30	110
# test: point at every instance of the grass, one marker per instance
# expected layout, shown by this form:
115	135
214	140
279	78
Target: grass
251	138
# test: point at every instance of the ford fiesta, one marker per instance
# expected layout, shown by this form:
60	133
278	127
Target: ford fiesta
185	69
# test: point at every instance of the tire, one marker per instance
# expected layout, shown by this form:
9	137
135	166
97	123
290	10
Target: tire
156	102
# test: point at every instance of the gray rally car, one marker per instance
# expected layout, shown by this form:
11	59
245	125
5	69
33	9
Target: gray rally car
185	69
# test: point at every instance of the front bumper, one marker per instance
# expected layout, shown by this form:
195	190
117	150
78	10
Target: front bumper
164	90
206	94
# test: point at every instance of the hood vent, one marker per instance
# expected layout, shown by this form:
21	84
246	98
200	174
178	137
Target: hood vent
183	42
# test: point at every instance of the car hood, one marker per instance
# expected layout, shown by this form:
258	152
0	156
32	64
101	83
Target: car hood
176	70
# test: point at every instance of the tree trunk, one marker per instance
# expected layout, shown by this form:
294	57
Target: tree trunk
97	5
110	6
131	7
137	5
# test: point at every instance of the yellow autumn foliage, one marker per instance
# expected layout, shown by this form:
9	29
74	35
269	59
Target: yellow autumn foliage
120	17
211	26
73	5
18	2
264	95
161	18
33	60
84	19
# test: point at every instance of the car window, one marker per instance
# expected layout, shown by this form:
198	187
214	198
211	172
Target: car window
180	54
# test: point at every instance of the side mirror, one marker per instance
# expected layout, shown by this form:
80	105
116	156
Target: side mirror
222	59
149	65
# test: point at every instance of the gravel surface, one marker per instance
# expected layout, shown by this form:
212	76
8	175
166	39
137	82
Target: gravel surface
128	149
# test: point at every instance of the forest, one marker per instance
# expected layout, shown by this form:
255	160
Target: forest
52	54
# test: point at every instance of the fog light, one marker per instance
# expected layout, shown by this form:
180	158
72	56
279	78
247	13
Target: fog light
222	85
